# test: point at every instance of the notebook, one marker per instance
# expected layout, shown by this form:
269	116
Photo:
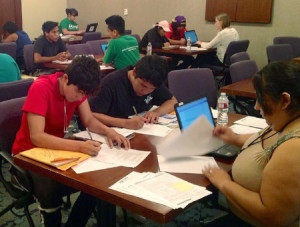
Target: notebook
91	27
104	47
192	35
189	111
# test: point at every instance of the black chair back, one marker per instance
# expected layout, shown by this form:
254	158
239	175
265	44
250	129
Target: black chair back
233	48
293	41
9	48
279	52
14	89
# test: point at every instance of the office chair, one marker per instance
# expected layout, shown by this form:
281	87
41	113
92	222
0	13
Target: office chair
28	58
293	41
79	49
240	71
223	71
241	56
95	46
9	48
21	193
88	36
128	32
14	89
279	52
186	84
138	38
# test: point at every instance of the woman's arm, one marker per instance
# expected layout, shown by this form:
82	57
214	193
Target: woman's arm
67	32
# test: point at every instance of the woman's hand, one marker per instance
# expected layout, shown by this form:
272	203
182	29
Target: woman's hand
226	134
114	137
90	147
218	177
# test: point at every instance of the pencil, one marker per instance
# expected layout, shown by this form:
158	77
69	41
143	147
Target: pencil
89	133
134	109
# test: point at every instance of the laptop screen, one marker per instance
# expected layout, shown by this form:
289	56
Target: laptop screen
104	47
189	112
192	35
91	27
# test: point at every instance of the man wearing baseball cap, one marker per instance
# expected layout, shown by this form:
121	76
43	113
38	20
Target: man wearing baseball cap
156	36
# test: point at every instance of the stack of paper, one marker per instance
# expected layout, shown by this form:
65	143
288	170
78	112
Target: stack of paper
66	62
248	125
161	188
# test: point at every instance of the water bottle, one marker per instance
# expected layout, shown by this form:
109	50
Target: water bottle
189	44
149	49
222	110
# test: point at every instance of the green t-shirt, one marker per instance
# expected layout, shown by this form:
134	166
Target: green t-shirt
69	25
122	52
9	70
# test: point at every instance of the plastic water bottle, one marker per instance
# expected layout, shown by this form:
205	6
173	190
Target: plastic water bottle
149	49
189	44
222	110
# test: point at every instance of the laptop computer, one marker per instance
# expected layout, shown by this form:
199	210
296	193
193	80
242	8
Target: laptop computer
189	111
192	35
104	47
91	27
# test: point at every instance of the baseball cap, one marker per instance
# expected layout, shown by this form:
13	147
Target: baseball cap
180	20
164	24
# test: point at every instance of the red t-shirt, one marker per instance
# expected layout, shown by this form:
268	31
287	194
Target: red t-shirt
44	99
173	35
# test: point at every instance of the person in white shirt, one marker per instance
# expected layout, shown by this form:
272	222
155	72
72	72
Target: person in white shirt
221	41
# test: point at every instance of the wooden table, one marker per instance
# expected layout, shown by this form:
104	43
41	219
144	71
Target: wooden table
242	88
72	39
62	67
97	183
297	60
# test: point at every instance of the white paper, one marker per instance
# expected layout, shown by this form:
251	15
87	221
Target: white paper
91	165
62	62
193	48
192	164
243	129
214	113
102	138
121	157
196	140
154	130
103	67
169	190
252	122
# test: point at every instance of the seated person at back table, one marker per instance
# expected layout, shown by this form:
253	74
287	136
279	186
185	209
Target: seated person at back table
9	70
49	46
11	33
134	89
221	41
68	26
48	109
265	186
176	37
122	50
156	36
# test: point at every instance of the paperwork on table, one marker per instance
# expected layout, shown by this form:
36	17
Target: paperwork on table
112	157
192	164
62	62
248	125
196	140
193	48
103	67
162	188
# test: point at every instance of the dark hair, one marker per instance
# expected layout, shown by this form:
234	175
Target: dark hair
116	22
10	27
153	69
48	26
276	78
84	72
225	20
72	11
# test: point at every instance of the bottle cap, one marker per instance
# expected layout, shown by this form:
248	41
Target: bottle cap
223	93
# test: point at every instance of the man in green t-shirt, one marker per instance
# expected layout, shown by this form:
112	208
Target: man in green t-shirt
123	50
68	26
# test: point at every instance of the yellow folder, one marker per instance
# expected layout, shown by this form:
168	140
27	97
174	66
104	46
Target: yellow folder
60	159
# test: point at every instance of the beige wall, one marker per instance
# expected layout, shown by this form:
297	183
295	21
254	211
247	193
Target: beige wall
36	12
143	13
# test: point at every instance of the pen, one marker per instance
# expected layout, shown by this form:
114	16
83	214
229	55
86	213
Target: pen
89	133
134	109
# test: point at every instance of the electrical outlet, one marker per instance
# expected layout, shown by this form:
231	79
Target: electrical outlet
125	12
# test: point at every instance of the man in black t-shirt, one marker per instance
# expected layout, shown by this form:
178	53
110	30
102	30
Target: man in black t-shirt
49	46
133	90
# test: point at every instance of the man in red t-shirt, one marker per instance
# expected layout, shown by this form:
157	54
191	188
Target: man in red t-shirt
176	37
47	111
